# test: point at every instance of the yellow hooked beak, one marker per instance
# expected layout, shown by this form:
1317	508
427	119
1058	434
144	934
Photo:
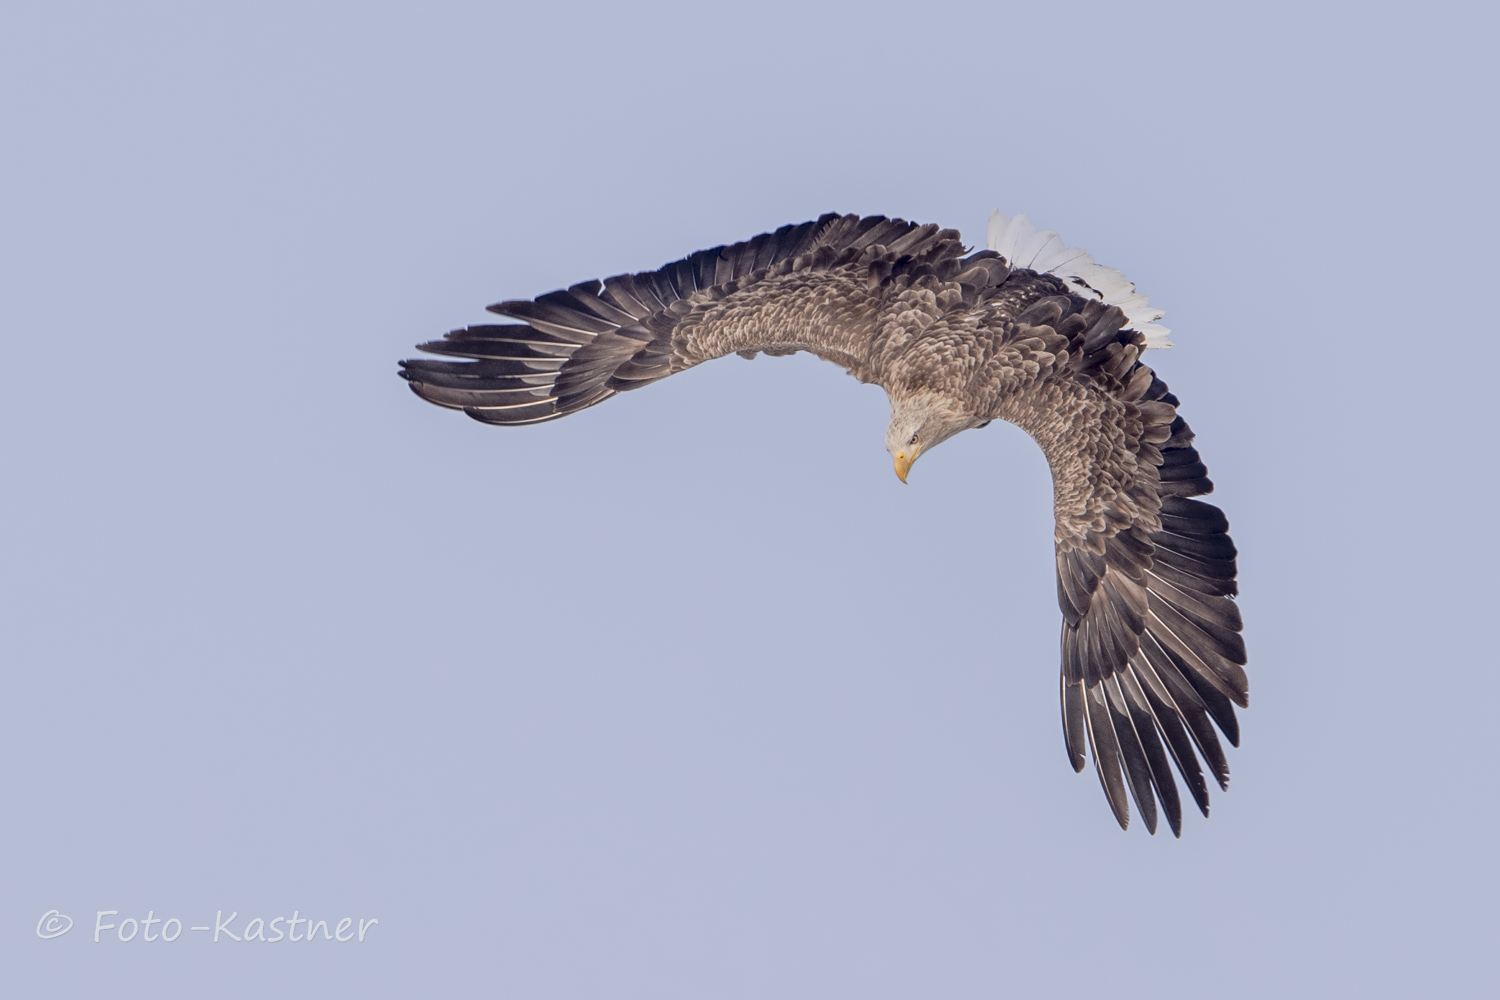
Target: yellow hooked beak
904	459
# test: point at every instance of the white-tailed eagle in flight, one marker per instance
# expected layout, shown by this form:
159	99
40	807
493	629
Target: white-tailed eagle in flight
1026	331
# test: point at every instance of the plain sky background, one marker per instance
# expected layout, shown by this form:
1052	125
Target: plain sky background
686	696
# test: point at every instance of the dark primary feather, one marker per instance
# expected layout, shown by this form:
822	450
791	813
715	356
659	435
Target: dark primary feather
1151	653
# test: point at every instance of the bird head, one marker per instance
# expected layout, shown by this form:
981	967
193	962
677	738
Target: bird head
920	422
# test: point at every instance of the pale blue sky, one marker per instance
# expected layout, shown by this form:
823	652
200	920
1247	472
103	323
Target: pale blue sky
686	696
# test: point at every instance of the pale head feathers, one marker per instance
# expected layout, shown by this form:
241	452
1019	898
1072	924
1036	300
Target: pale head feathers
921	420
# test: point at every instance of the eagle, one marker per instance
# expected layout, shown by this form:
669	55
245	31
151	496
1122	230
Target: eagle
1027	331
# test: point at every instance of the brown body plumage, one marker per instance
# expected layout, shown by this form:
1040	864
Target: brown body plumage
1150	646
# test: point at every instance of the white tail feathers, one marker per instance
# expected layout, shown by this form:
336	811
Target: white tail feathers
1016	239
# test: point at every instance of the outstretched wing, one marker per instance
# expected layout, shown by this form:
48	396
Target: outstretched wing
577	347
1152	657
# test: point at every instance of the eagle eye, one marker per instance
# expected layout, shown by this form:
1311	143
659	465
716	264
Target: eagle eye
913	439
